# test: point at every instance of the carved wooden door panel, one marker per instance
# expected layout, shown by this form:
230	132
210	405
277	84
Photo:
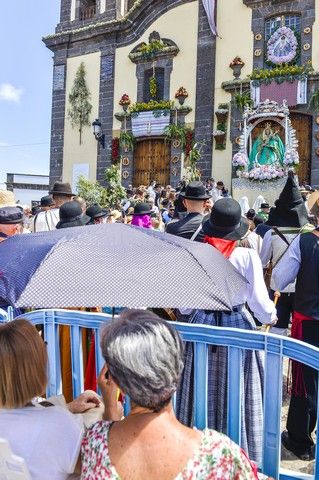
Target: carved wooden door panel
151	162
303	125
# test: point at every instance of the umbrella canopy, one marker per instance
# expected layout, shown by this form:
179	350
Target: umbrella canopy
114	265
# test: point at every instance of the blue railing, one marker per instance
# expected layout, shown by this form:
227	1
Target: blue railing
274	347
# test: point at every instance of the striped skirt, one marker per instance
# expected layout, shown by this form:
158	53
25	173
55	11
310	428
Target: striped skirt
251	382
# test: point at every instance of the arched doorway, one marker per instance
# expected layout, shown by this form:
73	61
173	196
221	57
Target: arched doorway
151	162
302	123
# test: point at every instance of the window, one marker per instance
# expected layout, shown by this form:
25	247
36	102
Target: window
88	9
159	76
292	21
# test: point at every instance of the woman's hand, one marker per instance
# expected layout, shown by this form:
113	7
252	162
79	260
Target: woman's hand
113	409
84	402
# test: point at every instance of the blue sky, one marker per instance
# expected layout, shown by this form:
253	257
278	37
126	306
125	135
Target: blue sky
25	85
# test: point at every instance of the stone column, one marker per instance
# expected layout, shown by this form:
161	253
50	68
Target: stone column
205	81
106	103
58	115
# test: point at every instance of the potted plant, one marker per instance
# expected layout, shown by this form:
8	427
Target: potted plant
126	141
236	65
125	102
181	95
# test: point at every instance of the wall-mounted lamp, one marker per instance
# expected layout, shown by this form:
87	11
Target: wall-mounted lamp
97	132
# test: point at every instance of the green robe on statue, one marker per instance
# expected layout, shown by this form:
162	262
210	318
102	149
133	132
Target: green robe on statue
267	151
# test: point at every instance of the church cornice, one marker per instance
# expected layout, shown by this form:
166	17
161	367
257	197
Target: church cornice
127	29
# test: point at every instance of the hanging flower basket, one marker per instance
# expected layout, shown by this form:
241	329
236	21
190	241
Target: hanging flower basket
221	115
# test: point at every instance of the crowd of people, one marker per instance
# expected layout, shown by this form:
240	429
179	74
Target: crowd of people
275	248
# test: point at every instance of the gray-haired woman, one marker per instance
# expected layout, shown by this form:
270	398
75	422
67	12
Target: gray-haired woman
144	358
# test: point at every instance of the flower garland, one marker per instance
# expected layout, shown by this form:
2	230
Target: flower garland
262	173
189	142
115	150
282	33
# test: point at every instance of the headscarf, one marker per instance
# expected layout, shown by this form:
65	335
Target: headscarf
143	221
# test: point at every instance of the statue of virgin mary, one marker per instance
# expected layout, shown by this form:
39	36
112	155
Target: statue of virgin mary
268	149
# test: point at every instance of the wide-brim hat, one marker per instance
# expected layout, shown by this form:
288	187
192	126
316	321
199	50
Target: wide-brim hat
7	199
71	216
142	208
61	188
75	222
95	211
225	221
47	201
195	191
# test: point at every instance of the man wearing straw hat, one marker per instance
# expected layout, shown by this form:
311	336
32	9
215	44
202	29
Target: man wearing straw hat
301	262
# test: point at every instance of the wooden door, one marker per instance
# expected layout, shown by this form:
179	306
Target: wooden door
151	162
303	125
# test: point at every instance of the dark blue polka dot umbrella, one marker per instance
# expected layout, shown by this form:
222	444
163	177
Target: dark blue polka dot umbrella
114	265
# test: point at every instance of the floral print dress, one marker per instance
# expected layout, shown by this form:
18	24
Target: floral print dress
218	458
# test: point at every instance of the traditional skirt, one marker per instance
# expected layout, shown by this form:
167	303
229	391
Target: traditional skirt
252	375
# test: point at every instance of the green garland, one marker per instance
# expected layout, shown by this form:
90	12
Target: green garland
281	73
153	86
152	105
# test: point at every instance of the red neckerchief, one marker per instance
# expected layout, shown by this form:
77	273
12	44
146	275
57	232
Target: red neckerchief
226	247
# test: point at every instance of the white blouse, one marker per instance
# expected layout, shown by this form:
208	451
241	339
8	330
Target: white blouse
254	293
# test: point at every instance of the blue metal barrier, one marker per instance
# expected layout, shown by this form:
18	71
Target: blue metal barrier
274	347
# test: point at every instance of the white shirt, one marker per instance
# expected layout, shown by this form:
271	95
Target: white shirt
48	439
255	294
273	249
46	221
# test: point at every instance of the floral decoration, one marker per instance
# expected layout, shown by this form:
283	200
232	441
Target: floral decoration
125	100
189	142
262	173
282	46
291	157
240	159
237	61
181	92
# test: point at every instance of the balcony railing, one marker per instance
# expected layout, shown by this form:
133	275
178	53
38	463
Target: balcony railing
88	12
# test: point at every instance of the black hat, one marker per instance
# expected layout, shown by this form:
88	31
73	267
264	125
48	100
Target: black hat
251	214
71	216
11	215
264	205
60	188
142	209
47	201
195	191
226	221
290	209
95	211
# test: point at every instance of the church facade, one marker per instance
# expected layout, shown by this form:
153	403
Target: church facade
160	78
